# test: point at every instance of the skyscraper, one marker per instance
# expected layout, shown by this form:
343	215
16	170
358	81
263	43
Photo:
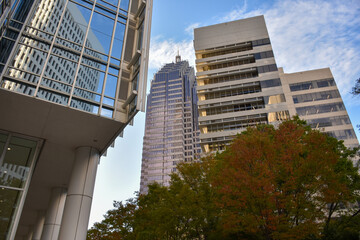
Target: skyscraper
171	130
238	80
239	85
73	75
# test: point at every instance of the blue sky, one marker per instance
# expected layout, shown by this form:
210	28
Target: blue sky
305	35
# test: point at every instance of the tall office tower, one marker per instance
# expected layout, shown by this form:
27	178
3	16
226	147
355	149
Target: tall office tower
238	81
313	96
171	130
72	76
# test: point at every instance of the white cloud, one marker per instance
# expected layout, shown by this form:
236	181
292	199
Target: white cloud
190	29
309	34
305	34
164	51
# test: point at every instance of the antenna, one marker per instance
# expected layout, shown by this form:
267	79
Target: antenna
178	58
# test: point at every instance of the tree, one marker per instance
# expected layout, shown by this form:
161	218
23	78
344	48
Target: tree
356	88
287	183
184	210
117	224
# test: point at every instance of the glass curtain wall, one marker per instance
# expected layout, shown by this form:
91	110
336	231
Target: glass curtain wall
69	52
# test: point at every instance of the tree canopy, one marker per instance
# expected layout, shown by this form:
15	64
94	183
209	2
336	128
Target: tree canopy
291	182
356	88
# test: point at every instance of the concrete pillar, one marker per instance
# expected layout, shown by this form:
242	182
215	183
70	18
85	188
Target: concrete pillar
30	233
54	214
79	196
39	224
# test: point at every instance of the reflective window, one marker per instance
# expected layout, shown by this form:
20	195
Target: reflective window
278	116
72	70
317	96
267	68
342	134
312	84
270	83
274	99
330	121
17	156
316	109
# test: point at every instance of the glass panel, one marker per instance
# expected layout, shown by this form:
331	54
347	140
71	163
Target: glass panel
16	164
140	36
274	99
108	101
47	15
66	54
22	10
99	36
9	201
60	69
86	95
118	41
28	59
64	88
112	4
85	106
19	87
106	112
110	87
74	23
124	5
90	79
52	96
278	116
3	139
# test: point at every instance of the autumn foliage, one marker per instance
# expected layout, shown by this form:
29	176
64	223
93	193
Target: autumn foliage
286	183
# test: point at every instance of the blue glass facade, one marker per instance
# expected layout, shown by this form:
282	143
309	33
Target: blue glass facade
171	131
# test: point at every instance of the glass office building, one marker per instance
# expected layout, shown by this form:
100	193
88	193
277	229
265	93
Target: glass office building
72	74
171	130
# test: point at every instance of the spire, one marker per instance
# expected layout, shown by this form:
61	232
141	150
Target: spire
178	58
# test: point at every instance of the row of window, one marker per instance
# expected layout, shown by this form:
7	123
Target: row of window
328	122
323	108
228	64
232	92
235	108
312	84
317	96
343	134
229	78
267	68
234	125
227	51
261	55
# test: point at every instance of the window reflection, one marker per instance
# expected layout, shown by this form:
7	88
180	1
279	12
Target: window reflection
14	172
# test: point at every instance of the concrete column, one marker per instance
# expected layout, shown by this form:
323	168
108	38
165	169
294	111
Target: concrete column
30	233
79	197
38	227
54	214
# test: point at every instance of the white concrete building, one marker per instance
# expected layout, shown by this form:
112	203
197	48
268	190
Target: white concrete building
239	85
